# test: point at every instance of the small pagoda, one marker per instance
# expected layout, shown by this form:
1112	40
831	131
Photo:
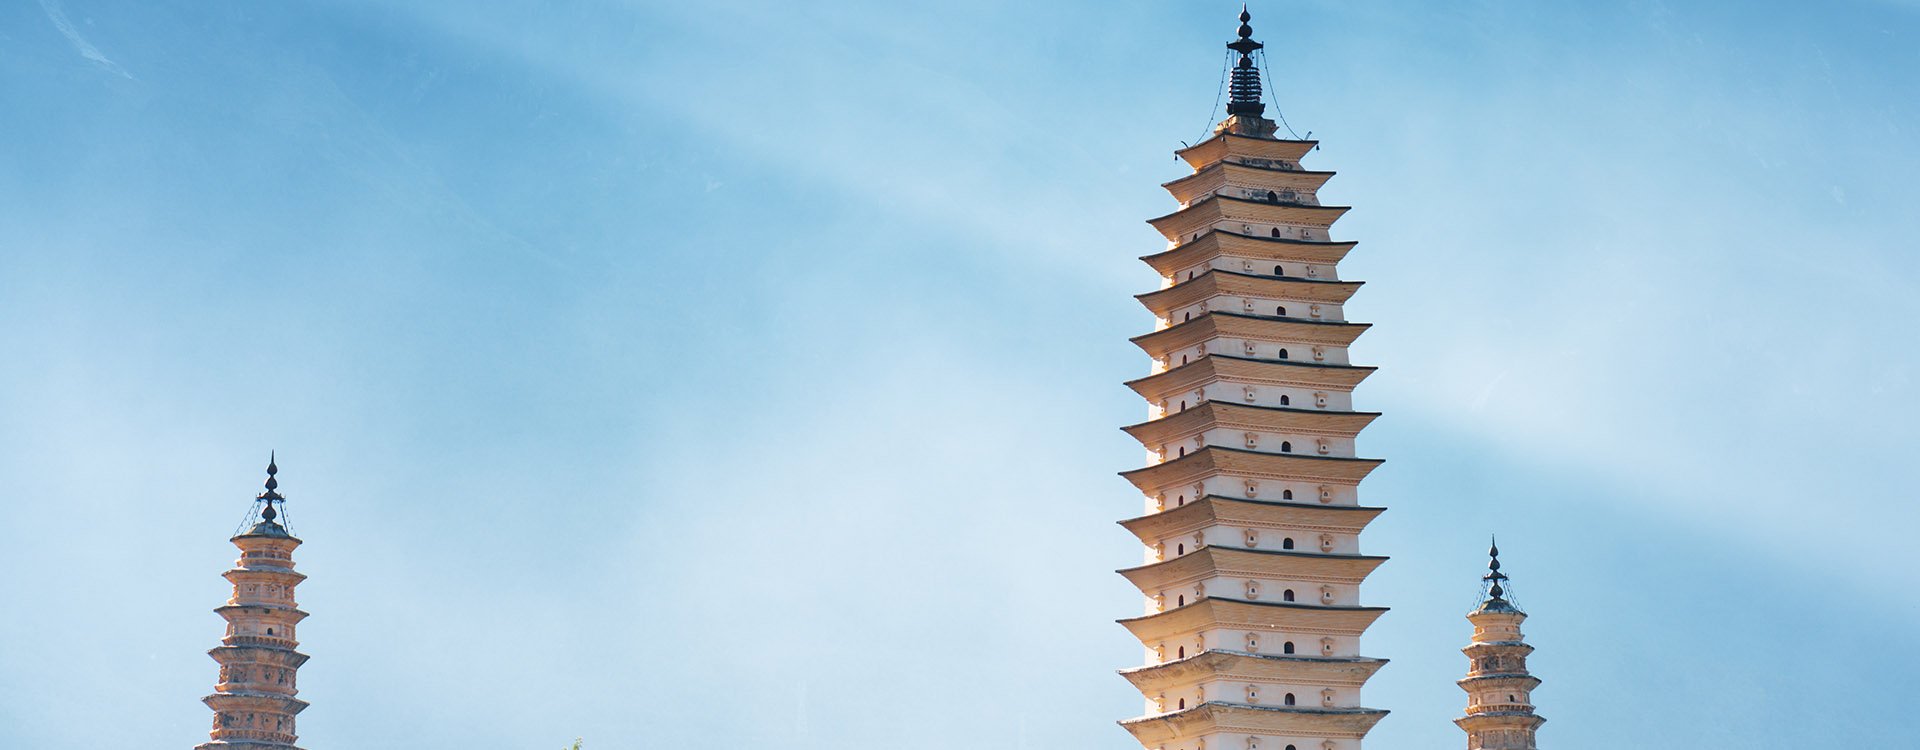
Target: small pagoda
1251	582
1499	689
253	703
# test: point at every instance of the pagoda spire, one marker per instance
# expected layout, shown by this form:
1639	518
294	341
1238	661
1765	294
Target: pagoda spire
1245	109
272	494
1495	593
1244	89
253	702
1499	689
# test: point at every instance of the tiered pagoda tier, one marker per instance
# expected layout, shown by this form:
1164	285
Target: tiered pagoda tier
1499	689
253	703
1253	567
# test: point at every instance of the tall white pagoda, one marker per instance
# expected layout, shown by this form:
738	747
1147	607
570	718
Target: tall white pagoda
1252	576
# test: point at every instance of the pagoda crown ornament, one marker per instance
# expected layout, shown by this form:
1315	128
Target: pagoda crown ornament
254	701
1244	105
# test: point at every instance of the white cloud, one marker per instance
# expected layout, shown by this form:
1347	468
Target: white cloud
80	44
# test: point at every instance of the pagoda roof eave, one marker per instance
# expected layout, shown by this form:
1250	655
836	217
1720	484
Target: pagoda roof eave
1214	560
1213	612
1223	145
1211	509
1214	460
1351	671
1498	719
1203	213
237	609
1329	283
1513	678
1244	369
1213	716
1273	328
1231	165
1215	243
1215	549
246	698
1329	324
264	571
1220	654
1227	176
1217	282
1211	414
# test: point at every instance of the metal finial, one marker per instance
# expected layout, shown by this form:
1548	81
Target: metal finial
1494	576
269	523
272	494
1244	83
273	483
1495	591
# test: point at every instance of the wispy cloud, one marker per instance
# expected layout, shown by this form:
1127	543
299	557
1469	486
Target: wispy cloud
80	43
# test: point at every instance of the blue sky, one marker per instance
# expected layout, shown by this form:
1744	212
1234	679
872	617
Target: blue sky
673	375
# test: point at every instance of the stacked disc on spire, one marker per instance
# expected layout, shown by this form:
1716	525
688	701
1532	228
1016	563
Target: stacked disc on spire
272	495
1243	88
1251	582
1494	576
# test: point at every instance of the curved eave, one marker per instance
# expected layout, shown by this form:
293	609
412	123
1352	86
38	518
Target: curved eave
1224	145
244	699
1226	175
1497	647
284	657
1215	209
267	531
1214	612
1213	561
1222	414
1214	460
1213	510
1217	283
1217	664
1499	719
1215	717
230	611
1521	680
1244	370
1218	324
1217	244
288	575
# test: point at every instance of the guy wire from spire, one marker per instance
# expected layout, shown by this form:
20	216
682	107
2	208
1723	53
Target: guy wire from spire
262	509
1496	585
1226	64
1273	91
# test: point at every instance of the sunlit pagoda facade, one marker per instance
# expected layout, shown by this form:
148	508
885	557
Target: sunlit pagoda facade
1254	616
254	701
